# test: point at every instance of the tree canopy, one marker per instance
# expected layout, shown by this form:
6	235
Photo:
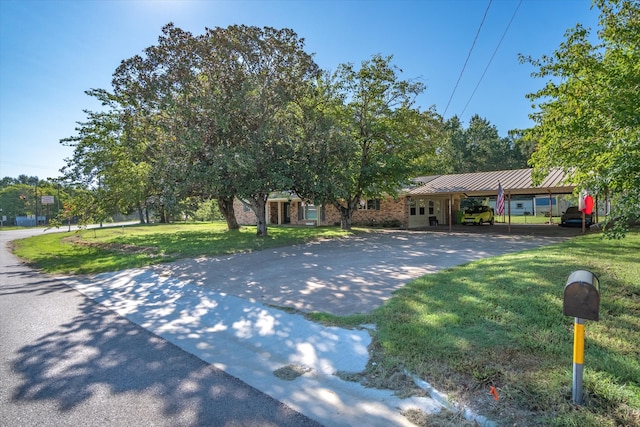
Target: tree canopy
374	132
240	112
217	105
475	149
588	113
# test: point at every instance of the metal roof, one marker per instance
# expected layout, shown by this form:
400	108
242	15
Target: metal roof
482	184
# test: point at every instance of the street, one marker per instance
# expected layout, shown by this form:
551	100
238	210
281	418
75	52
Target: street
69	361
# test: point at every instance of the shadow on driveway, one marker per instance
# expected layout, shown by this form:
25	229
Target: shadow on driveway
344	276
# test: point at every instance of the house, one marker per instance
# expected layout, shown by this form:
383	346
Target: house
432	201
288	208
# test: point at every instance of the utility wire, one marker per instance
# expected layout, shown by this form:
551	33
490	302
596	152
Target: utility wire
467	60
491	59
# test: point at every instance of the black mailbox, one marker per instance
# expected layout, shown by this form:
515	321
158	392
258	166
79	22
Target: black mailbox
582	295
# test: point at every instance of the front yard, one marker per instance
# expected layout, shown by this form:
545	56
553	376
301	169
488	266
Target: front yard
491	323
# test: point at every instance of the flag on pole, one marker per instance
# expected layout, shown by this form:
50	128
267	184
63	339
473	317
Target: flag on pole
500	200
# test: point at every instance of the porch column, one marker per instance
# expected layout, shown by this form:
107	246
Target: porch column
509	209
267	212
450	212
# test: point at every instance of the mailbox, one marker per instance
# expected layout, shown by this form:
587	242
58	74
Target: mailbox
582	295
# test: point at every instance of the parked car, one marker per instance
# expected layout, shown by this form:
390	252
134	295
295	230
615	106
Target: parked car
478	215
573	217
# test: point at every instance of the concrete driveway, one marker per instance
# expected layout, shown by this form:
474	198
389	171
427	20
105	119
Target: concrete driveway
344	276
219	309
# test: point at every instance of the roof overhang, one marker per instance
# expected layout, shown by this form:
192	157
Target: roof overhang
485	184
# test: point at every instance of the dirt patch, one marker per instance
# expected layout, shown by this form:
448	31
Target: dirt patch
291	372
444	418
384	373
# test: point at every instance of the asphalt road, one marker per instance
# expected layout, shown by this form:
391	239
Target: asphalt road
66	360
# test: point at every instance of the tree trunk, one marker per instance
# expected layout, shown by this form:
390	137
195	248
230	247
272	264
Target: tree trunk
345	220
225	204
140	214
346	214
261	215
163	215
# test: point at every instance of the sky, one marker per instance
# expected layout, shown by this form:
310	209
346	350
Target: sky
52	51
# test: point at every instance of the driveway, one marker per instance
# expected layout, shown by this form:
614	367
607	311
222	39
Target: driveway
344	276
218	309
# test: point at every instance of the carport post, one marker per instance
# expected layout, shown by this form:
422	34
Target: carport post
509	209
450	212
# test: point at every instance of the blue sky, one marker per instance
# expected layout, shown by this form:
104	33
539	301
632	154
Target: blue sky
51	51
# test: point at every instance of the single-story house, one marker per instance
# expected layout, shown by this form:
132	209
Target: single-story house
433	200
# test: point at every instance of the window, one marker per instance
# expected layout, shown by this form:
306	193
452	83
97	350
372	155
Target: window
519	205
310	212
307	211
370	205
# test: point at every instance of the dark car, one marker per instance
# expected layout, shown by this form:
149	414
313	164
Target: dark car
573	217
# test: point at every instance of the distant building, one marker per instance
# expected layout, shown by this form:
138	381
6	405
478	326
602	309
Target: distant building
30	220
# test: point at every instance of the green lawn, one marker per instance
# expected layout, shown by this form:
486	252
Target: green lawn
495	322
116	248
498	322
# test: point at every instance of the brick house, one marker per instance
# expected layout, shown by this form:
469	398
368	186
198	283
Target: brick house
431	201
285	208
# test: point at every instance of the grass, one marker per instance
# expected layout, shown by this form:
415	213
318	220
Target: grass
495	322
529	219
498	322
116	248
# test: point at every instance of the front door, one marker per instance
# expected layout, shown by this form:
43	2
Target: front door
287	213
417	213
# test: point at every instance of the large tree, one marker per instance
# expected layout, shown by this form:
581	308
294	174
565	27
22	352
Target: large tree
588	113
261	74
222	99
373	134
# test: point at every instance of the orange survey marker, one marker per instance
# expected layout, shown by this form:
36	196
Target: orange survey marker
494	392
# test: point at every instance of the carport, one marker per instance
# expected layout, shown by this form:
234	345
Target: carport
448	190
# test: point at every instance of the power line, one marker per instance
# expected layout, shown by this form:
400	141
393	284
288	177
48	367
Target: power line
467	60
491	59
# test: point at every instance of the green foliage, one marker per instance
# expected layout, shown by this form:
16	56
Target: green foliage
376	132
588	115
213	107
207	211
475	149
18	198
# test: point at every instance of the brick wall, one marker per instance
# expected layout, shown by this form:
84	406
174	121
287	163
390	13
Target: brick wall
390	210
244	215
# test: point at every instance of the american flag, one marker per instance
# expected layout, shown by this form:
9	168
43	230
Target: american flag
500	200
